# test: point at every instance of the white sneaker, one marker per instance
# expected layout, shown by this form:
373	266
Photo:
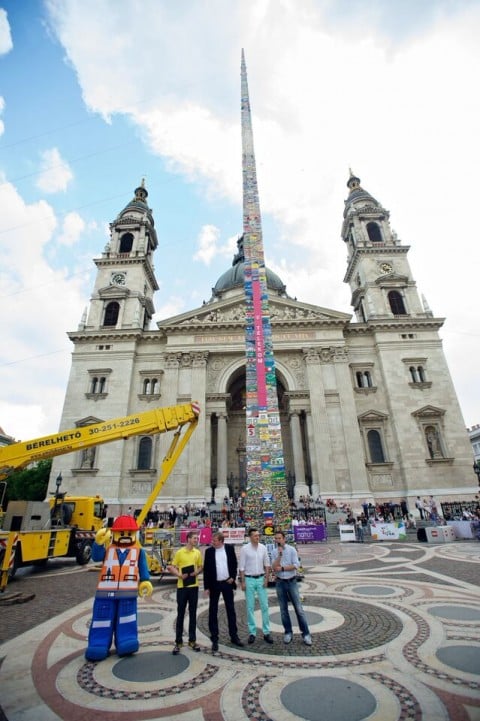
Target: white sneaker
287	638
307	640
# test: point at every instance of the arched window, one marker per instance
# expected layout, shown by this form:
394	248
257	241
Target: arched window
111	313
364	379
154	385
101	385
421	374
146	386
374	233
144	454
396	303
126	243
93	388
413	373
375	447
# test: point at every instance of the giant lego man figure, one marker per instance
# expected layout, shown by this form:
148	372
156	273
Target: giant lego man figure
124	575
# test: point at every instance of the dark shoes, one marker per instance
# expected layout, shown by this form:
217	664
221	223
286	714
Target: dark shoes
237	642
176	649
268	639
214	646
251	638
193	645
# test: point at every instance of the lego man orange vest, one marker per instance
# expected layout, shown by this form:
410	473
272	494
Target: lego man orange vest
124	575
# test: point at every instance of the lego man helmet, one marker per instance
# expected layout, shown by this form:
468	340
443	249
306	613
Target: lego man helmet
125	523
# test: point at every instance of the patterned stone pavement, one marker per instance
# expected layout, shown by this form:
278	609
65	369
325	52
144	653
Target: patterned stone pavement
395	631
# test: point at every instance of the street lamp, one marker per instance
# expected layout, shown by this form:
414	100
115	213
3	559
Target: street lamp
476	469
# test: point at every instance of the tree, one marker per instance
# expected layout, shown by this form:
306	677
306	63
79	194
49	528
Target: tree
29	484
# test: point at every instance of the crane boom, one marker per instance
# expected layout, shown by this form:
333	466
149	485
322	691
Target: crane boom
158	420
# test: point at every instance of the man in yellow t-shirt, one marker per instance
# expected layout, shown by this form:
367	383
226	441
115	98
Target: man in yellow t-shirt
187	564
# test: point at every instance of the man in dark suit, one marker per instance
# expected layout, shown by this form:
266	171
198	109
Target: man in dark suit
219	574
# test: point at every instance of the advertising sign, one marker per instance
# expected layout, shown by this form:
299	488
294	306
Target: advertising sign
388	531
310	533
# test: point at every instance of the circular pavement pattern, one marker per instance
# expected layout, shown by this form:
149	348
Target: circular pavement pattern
456	613
374	590
365	626
326	697
462	658
151	666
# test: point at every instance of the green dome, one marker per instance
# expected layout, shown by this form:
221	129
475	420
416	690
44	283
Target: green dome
234	276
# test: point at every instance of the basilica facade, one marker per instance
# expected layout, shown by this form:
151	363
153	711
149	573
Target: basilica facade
367	405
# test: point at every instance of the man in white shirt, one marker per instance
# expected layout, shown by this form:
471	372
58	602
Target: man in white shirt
254	570
285	563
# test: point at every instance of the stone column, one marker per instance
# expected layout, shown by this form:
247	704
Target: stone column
222	488
171	492
312	456
321	452
354	451
197	466
208	456
301	488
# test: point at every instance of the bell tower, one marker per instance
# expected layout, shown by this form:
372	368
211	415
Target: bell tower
378	270
123	294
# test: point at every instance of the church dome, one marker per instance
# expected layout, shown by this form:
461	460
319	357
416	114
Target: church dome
234	276
358	195
139	204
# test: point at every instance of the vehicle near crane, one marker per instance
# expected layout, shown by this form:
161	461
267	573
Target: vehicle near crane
34	531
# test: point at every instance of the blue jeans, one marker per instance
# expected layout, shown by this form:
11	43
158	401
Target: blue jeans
255	587
288	591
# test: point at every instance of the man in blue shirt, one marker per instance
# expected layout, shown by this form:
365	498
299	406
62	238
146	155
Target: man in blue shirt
285	563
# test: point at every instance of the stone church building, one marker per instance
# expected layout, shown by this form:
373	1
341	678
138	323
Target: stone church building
368	408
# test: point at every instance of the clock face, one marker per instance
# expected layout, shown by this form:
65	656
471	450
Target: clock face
118	278
386	267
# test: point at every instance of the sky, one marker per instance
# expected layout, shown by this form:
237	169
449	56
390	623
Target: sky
97	94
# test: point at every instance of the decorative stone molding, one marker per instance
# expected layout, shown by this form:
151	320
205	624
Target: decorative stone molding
311	356
172	360
365	391
236	314
294	363
328	354
199	359
149	397
379	481
215	367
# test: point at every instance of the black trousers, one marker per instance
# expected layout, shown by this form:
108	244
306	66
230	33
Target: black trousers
224	589
186	596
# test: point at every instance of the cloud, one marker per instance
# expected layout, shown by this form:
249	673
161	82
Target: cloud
6	43
72	228
329	90
209	246
172	307
55	173
207	242
35	352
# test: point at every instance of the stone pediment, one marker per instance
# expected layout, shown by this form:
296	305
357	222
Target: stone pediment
88	421
393	279
232	312
113	291
372	416
429	412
